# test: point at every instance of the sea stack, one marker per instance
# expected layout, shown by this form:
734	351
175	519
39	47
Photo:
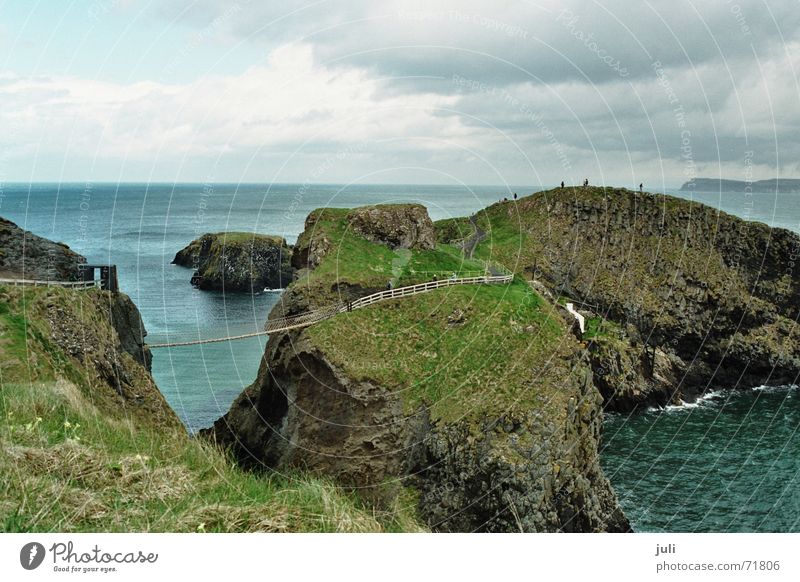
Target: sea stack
238	262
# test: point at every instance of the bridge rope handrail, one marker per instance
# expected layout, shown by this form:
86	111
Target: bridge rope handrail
50	283
311	317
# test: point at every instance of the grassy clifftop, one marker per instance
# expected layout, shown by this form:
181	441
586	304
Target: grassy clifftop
475	399
718	291
87	443
462	351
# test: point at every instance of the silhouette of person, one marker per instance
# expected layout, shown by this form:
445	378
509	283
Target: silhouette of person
562	184
515	195
641	187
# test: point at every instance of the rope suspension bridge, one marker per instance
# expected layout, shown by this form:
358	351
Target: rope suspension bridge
43	283
311	317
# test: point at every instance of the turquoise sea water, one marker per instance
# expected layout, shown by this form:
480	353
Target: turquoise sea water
729	464
140	227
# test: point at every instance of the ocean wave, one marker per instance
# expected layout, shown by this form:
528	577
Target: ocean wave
712	396
707	397
779	388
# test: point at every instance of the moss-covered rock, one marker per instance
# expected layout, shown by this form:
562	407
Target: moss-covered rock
715	294
92	338
238	262
405	226
489	415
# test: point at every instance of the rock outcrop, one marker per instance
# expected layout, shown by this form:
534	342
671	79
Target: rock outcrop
508	468
238	262
406	226
517	472
713	299
24	255
521	472
397	226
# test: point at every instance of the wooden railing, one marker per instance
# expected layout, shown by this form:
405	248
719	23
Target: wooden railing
425	287
311	317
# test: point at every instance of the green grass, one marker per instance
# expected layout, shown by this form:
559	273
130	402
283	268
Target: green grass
73	459
67	467
495	361
236	237
453	229
352	259
599	328
506	355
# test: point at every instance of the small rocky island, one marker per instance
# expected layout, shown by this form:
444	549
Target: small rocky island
475	401
238	262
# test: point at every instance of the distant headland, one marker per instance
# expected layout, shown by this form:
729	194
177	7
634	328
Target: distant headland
783	185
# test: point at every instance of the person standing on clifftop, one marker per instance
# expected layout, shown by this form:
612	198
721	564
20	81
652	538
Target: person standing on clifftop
515	195
641	187
562	184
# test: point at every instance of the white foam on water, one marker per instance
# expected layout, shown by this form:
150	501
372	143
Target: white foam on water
701	400
781	388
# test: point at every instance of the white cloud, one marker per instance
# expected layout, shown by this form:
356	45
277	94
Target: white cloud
281	105
341	74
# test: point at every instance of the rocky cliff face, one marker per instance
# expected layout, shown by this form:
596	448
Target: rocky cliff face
714	296
87	338
399	226
525	471
508	468
529	471
24	255
238	262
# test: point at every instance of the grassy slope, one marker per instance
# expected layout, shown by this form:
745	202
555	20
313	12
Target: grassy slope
71	464
507	353
527	233
354	259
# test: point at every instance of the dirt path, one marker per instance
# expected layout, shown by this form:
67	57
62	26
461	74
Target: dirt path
475	239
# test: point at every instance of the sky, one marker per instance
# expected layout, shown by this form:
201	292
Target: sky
426	92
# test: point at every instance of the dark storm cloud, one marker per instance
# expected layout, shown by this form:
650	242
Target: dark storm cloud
509	42
651	80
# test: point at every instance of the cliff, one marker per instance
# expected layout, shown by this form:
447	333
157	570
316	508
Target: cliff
73	335
700	299
24	255
88	442
476	401
238	261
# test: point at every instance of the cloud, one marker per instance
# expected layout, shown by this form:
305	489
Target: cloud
288	104
474	91
509	42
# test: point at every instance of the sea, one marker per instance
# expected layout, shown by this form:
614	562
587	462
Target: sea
728	463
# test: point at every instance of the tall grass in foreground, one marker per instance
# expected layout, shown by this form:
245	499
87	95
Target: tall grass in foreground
68	467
